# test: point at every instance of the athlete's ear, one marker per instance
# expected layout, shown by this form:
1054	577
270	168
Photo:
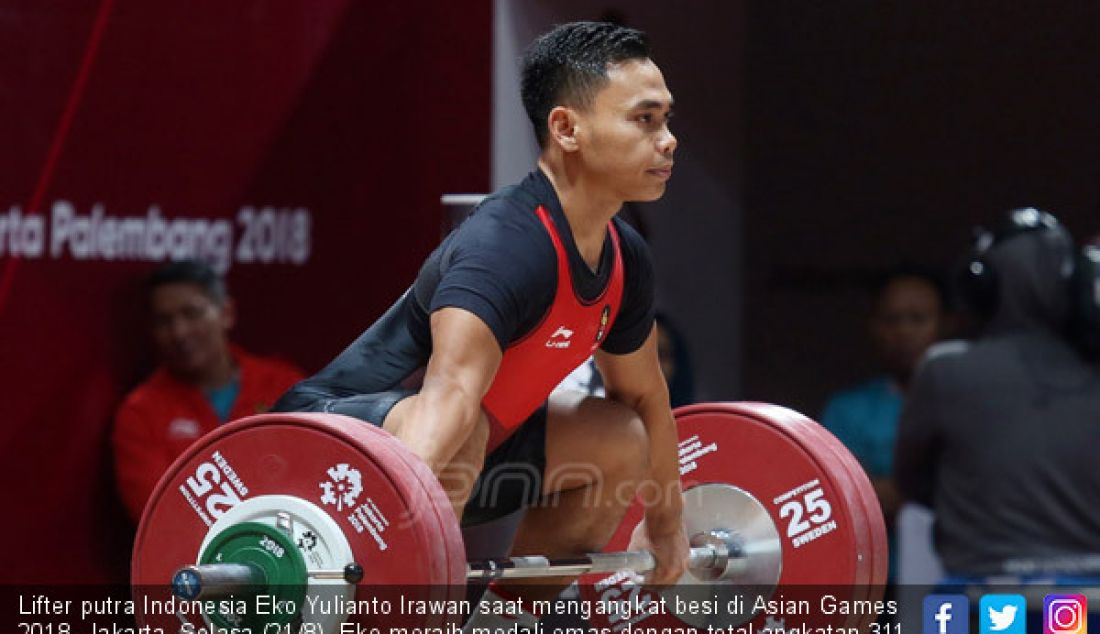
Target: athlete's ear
562	124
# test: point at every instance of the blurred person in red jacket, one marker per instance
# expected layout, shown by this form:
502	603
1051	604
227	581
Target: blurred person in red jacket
203	380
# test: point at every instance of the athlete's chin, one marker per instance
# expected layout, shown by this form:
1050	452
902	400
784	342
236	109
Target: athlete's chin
649	194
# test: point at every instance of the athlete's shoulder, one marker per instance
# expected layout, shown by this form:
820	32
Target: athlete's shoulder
629	236
513	205
635	250
504	201
504	225
499	264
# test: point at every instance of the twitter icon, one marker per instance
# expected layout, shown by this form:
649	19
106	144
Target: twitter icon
1002	614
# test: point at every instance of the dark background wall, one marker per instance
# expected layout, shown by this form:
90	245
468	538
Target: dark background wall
823	143
362	113
878	132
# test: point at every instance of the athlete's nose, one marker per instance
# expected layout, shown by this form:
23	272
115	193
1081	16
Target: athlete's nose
666	144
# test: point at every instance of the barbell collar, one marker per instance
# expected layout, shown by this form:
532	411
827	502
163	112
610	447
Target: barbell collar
351	573
218	581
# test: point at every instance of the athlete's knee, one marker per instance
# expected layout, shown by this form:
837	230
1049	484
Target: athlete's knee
630	443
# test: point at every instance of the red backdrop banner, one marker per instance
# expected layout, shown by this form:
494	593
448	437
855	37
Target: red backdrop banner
301	146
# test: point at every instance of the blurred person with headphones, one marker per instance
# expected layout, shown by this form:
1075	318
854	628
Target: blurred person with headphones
999	435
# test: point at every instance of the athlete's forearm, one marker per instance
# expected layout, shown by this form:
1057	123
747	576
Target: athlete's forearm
439	423
445	413
662	495
664	512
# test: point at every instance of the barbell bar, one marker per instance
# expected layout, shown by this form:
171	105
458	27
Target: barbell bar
714	555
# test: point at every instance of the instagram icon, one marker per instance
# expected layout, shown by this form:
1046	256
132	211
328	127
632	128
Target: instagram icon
1065	614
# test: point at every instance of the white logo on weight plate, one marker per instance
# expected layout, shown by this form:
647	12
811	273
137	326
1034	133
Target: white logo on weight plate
343	486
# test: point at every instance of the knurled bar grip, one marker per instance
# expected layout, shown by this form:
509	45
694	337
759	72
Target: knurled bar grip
705	557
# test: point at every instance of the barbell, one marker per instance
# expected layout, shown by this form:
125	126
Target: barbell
322	515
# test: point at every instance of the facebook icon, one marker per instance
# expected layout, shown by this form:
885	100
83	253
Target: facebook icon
946	614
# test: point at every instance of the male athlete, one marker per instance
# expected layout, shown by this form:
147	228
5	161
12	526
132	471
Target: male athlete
540	276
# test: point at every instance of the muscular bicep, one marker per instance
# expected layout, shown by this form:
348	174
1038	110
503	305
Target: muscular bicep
465	353
440	419
636	376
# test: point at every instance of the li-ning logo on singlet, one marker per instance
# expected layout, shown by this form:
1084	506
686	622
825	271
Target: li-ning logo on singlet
560	339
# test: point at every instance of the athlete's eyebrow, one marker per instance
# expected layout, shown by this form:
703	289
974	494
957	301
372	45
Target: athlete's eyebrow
652	104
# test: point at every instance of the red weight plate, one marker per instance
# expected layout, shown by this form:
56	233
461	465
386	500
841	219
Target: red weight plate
398	463
875	556
454	581
823	448
449	580
828	449
428	504
333	462
879	552
793	470
873	547
868	527
437	506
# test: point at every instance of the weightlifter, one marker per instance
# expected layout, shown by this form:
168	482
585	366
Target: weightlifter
540	276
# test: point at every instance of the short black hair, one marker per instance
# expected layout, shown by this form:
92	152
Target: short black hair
568	65
193	272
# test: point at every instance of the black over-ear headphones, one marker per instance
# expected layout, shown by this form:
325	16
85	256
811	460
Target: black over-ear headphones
979	284
1084	322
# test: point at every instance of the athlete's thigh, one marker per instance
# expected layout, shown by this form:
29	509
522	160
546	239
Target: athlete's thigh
588	438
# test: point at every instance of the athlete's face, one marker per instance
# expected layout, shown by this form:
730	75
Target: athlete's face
623	137
190	329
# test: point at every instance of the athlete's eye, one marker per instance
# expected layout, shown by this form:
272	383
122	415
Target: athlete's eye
650	118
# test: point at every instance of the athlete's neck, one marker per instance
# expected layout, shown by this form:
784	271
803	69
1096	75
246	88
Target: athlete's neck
587	207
